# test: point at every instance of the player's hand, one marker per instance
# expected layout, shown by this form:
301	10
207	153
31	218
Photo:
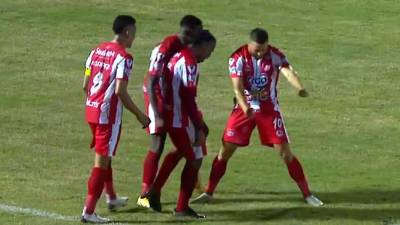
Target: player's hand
303	93
159	121
200	138
144	120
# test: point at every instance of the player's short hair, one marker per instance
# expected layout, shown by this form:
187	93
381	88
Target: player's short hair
191	21
259	35
205	36
121	22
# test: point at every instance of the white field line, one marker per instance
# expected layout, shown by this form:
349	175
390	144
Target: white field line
36	212
12	209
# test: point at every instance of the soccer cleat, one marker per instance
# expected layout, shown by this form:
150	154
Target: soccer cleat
189	213
117	203
203	198
93	218
143	201
314	201
154	200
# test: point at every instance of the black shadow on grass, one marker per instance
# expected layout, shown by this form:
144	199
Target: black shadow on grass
356	196
303	213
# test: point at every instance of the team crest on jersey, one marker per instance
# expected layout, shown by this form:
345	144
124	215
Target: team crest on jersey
247	68
267	67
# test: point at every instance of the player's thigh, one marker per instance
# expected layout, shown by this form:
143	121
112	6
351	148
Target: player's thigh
180	137
238	128
271	128
105	138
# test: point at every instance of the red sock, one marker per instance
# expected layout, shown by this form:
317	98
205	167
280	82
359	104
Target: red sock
169	163
297	174
95	187
217	171
108	184
188	181
150	168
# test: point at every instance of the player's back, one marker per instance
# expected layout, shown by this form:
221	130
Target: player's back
104	62
181	80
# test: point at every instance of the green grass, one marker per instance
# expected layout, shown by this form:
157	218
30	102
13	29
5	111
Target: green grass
346	133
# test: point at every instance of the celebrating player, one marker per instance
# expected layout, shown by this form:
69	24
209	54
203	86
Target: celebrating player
108	69
154	93
185	125
254	70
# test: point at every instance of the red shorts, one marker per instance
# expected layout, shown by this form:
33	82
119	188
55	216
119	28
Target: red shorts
183	139
270	125
105	138
153	128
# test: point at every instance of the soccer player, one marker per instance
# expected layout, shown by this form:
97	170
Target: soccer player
254	70
108	69
154	93
186	126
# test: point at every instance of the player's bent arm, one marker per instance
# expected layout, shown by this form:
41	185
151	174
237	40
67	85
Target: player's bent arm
294	80
121	91
238	89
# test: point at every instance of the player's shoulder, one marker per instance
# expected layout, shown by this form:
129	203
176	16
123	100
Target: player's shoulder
276	50
188	56
241	51
171	40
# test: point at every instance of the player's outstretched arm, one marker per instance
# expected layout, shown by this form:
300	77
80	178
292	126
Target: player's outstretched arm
238	89
294	79
121	91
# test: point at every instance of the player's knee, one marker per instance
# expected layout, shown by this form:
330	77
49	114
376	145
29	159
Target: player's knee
227	151
102	161
197	163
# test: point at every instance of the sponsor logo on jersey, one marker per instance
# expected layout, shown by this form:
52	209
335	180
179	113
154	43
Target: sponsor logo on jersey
106	66
104	53
258	82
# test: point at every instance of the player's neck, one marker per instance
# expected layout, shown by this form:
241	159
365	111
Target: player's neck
181	39
118	40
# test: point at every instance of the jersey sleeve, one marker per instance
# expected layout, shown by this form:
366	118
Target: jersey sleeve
280	59
236	65
124	68
88	63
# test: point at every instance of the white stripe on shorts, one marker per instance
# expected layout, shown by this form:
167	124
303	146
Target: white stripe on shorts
198	150
112	144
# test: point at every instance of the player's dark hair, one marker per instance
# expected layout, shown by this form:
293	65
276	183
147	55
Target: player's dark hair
121	22
205	36
259	35
191	21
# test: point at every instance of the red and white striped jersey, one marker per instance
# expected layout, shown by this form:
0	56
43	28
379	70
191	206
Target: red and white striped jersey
260	76
105	64
181	82
159	58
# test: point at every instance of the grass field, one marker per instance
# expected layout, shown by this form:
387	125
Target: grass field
346	133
